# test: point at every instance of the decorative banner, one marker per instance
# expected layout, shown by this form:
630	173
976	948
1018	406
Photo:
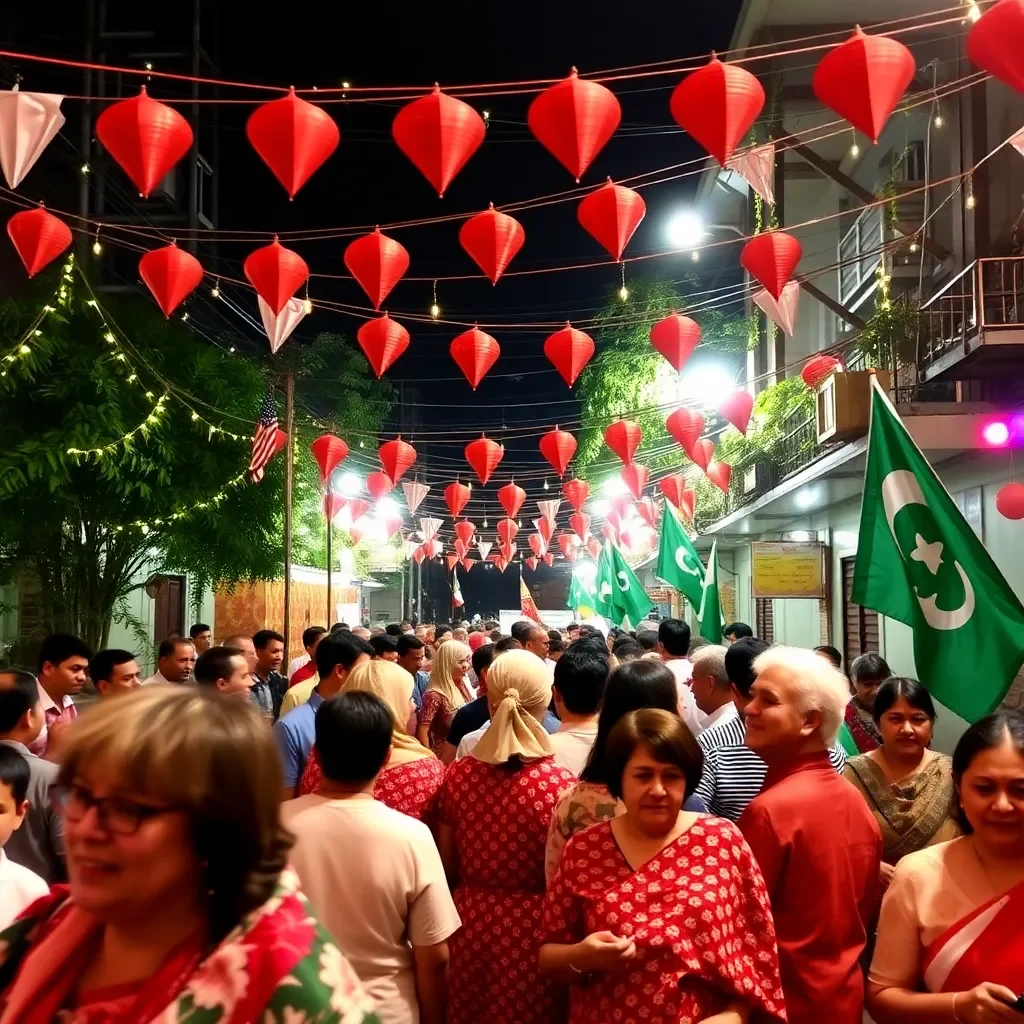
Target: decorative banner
1018	142
468	563
532	563
648	511
786	570
782	311
408	547
357	508
461	548
29	121
333	504
451	561
390	523
415	492
757	167
279	326
419	554
429	527
549	509
545	527
547	558
484	547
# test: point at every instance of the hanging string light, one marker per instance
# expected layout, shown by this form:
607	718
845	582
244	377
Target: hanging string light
435	309
938	120
307	302
854	148
623	290
215	290
97	245
970	201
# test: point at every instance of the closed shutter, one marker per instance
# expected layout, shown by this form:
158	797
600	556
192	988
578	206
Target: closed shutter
860	625
764	619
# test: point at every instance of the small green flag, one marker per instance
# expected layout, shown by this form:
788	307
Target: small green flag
709	611
582	597
919	562
620	598
846	741
678	562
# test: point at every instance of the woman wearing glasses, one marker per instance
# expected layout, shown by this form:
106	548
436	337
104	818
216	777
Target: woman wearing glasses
179	905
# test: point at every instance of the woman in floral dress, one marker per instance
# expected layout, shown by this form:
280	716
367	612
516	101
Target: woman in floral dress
495	807
179	906
411	780
446	692
660	915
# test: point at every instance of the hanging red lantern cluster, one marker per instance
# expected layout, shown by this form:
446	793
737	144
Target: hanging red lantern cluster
397	458
293	138
623	437
276	273
611	214
474	352
171	275
378	263
674	488
483	455
145	137
569	351
382	340
438	133
579	522
329	452
675	338
558	447
511	497
771	258
38	237
456	497
576	491
492	239
573	119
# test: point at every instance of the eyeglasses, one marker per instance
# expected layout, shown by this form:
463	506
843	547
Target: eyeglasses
116	815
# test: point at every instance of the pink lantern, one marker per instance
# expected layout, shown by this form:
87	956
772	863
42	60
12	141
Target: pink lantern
29	121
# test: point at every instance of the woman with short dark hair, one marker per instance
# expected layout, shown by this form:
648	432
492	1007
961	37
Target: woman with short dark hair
180	903
950	944
867	673
660	910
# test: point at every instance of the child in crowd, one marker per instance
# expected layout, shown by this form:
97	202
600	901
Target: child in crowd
19	887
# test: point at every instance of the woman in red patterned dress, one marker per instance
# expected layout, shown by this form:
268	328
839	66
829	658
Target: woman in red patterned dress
661	915
411	780
446	692
495	807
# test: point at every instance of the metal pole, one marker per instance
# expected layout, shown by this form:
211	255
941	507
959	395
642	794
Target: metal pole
289	475
330	569
401	595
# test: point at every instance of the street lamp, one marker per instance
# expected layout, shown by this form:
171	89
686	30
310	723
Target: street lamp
686	230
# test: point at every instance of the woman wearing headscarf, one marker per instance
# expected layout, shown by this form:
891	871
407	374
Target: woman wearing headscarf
446	692
495	808
411	780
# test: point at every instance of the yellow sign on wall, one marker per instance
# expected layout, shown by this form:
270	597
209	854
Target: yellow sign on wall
787	570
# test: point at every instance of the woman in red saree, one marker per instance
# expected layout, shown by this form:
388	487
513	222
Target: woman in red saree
950	942
411	781
179	906
661	916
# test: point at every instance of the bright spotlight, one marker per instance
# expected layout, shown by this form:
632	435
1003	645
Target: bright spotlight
996	433
350	485
685	230
601	507
387	507
585	571
706	385
614	486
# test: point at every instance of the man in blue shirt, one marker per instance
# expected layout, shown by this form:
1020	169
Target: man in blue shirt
336	656
410	657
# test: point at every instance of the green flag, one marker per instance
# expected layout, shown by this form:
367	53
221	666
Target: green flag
619	594
678	562
582	597
709	611
919	562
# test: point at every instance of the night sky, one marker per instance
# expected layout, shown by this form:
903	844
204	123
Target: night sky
368	180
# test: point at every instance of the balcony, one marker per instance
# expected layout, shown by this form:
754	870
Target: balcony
973	329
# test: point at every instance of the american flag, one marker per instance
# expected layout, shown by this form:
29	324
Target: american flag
263	441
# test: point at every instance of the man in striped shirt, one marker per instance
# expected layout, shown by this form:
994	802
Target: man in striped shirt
733	774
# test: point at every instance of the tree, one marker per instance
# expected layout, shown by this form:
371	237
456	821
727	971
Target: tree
124	441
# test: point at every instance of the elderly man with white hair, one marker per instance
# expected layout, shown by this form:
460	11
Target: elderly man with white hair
711	687
818	846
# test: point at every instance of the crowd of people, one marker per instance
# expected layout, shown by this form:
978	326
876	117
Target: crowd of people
443	823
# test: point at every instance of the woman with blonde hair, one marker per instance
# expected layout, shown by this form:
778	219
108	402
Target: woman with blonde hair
495	808
180	903
411	780
446	692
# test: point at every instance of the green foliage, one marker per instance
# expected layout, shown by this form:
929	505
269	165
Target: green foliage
892	329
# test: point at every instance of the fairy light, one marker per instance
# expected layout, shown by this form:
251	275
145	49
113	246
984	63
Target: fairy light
97	245
854	148
695	256
623	290
973	10
184	513
546	484
938	120
970	202
307	303
215	290
435	309
85	168
914	246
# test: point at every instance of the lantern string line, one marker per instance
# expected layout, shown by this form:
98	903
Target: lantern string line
351	94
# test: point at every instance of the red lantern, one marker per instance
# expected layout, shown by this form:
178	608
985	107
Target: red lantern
418	555
396	457
674	488
329	451
456	497
996	42
276	273
569	351
293	138
636	477
483	455
464	530
702	453
468	563
717	105
568	542
576	491
537	544
356	531
573	119
511	497
594	547
171	275
146	138
438	133
771	258
818	369
501	564
545	528
685	425
610	532
736	408
38	237
863	79
391	523
579	523
623	437
532	563
1010	501
548	558
622	504
382	340
379	484
377	263
492	239
558	447
675	338
461	548
357	508
648	511
611	214
507	530
333	504
451	560
475	353
719	473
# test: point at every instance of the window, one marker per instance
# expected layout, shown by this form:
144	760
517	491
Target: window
764	619
860	625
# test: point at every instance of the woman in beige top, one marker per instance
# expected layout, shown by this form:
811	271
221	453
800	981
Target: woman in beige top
950	946
908	787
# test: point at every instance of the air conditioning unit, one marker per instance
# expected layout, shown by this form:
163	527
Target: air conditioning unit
844	404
